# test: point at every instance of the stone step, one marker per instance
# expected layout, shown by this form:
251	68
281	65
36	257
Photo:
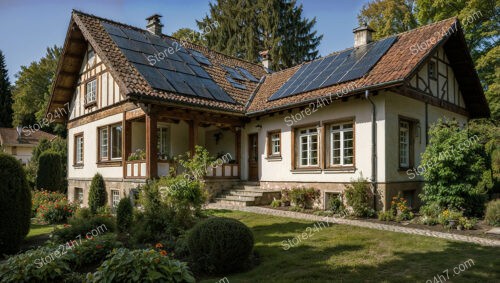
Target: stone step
246	187
244	198
246	193
224	201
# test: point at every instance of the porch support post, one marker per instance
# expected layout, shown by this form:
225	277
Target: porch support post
193	135
127	142
151	143
238	150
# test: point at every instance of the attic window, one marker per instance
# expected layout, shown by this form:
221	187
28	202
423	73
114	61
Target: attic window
90	57
432	70
90	92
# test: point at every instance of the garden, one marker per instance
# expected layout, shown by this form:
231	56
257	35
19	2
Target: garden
165	237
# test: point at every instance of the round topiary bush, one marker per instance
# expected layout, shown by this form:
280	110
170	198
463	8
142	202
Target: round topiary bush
219	245
15	204
97	193
124	215
49	174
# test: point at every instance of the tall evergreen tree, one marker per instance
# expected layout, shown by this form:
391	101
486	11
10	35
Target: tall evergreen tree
243	28
5	95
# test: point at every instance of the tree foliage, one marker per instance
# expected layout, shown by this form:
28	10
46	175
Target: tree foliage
31	92
457	171
190	35
58	145
15	204
480	21
97	194
243	28
5	95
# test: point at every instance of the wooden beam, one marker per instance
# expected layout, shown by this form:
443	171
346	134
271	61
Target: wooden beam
193	135
238	151
151	143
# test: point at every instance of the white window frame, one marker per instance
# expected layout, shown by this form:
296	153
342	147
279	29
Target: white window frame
79	195
79	149
275	143
308	134
113	138
163	136
404	144
115	198
91	91
341	129
103	143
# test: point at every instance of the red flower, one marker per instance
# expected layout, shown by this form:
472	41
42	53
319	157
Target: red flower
98	247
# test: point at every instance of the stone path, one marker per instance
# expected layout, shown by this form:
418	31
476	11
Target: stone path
359	223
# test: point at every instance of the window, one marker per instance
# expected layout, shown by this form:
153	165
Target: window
91	57
341	144
404	144
78	157
432	70
115	198
90	92
110	142
163	142
274	144
308	147
79	195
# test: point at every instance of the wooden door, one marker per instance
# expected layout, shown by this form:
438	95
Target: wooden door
253	157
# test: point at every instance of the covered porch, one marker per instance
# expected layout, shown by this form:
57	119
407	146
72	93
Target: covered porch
154	135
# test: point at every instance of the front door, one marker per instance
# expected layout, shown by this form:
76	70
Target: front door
253	157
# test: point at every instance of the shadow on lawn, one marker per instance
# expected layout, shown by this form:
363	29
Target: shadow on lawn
308	262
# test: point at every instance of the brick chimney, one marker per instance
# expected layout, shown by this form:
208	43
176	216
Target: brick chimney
266	59
154	24
363	35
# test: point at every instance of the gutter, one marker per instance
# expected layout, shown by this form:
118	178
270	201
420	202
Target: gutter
374	149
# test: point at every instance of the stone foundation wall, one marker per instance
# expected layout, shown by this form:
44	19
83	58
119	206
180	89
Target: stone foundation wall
385	191
122	185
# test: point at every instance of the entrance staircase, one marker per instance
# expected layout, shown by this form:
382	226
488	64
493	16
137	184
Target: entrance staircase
247	194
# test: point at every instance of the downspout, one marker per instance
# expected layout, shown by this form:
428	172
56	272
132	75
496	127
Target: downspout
374	149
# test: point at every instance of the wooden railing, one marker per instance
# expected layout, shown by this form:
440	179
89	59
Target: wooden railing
135	169
224	171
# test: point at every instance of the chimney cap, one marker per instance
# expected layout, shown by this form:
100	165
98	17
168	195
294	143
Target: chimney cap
155	16
363	27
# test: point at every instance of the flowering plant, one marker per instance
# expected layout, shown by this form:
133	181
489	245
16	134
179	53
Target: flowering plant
40	197
56	211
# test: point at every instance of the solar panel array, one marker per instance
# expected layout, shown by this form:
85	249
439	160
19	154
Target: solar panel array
335	69
165	64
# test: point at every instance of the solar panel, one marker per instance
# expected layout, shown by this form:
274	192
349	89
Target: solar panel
345	66
248	75
198	56
235	83
166	65
233	73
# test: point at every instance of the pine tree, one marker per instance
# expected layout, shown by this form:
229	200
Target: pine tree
243	28
5	95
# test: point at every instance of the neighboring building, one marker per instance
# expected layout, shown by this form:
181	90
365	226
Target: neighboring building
20	143
132	89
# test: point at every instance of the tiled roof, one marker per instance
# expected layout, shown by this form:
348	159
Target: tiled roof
396	65
9	136
135	84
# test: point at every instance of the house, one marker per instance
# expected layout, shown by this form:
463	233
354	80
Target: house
21	141
364	110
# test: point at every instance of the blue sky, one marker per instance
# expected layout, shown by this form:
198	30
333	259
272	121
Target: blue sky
28	27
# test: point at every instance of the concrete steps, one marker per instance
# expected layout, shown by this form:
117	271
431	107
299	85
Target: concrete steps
247	194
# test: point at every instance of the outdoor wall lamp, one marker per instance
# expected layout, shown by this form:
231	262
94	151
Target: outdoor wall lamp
259	127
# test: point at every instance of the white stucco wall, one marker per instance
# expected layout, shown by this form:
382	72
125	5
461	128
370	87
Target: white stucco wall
90	167
360	109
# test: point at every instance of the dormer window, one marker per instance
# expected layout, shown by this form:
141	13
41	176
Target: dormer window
90	92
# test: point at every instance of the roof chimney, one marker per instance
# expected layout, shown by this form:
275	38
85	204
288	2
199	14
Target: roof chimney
363	35
154	24
266	59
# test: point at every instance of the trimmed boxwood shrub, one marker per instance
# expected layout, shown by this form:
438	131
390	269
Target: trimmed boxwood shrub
124	215
97	194
49	174
79	227
15	204
218	245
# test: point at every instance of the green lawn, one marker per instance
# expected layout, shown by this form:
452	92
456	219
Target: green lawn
341	253
38	229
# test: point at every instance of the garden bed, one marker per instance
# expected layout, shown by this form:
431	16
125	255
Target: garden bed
479	230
